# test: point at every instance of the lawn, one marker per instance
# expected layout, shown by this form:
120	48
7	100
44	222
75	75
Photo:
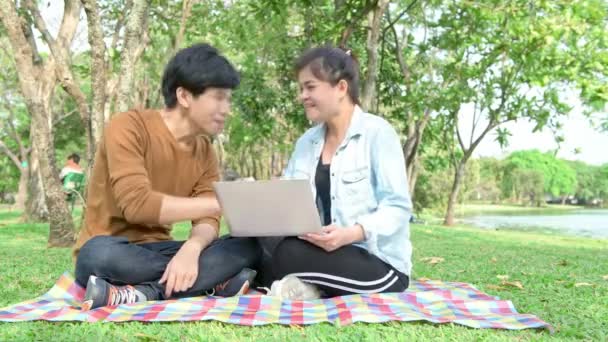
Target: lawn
564	280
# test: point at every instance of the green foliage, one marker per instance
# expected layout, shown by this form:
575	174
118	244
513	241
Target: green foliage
558	178
591	181
509	59
433	180
483	179
9	177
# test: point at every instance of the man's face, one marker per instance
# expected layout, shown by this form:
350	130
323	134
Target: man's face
209	110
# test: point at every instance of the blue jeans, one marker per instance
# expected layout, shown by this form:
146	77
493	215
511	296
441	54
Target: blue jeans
120	262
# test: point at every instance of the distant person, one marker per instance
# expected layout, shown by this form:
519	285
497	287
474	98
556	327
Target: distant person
72	165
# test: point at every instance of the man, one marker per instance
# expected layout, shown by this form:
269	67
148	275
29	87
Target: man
72	165
154	168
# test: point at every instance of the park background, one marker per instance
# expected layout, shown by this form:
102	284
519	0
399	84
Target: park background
500	106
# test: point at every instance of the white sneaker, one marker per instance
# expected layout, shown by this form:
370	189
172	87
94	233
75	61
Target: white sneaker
292	288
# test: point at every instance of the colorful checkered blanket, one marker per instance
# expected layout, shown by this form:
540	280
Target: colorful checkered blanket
431	301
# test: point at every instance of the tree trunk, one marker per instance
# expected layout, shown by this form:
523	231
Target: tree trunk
98	73
61	231
22	190
416	129
37	80
369	87
35	204
133	48
458	177
412	175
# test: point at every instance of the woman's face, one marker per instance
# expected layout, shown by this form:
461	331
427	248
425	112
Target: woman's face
321	100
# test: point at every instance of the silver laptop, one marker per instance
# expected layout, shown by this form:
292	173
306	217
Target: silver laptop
268	208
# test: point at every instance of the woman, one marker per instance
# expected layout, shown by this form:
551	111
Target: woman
356	168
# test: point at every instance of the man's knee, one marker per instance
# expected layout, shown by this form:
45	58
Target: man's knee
96	255
238	251
248	247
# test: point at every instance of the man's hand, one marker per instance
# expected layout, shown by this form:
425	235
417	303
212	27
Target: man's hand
333	237
182	270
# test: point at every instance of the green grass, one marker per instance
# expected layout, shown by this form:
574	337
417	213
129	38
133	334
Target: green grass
547	266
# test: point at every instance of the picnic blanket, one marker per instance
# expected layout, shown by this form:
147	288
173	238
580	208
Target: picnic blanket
431	301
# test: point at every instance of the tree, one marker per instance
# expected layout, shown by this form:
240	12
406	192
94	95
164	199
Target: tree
530	184
15	146
38	78
13	137
507	61
368	93
527	171
490	178
410	92
587	187
133	48
9	176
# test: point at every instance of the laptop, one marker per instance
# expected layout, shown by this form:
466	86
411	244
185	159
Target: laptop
278	207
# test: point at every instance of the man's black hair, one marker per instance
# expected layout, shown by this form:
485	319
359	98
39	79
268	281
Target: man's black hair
195	69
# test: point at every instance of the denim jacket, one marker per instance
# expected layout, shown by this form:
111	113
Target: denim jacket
368	184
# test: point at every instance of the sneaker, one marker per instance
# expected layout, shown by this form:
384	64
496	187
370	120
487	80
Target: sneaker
235	286
293	288
101	293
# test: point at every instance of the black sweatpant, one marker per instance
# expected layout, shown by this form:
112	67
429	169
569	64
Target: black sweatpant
120	262
347	270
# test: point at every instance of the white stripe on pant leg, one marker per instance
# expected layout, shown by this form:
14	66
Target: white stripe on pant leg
341	279
350	289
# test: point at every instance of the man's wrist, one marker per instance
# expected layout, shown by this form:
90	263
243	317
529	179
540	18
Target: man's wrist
196	244
202	235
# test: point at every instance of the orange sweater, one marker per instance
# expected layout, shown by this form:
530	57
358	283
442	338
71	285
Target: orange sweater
137	162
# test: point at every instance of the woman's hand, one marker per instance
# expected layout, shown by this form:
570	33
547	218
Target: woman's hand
333	237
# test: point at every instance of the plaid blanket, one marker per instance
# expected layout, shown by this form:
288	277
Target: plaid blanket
431	301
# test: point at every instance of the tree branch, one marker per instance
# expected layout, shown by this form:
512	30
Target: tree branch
404	68
22	51
350	27
368	91
392	23
67	29
119	24
473	123
64	116
15	27
40	24
99	69
69	24
60	49
29	35
132	50
11	118
449	141
488	128
10	154
460	141
186	11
